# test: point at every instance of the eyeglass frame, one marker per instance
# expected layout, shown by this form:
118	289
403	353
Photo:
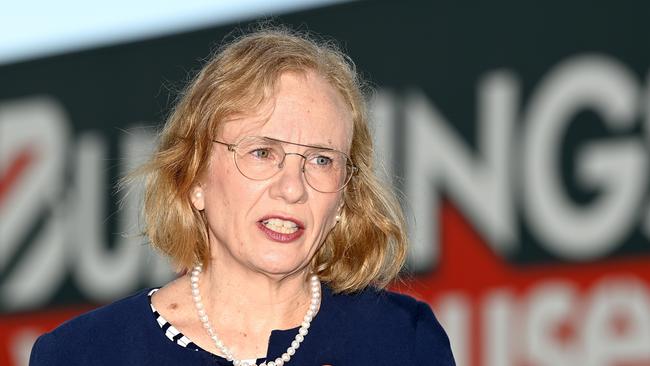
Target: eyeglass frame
233	149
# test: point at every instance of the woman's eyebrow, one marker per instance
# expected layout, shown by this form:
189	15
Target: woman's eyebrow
314	146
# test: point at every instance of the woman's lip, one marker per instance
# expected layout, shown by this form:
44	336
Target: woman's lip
283	217
279	237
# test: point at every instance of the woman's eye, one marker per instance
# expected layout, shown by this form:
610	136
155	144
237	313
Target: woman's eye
322	160
261	153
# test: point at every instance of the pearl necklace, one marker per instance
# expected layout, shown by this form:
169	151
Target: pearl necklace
280	361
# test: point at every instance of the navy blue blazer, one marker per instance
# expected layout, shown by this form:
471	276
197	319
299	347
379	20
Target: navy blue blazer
368	328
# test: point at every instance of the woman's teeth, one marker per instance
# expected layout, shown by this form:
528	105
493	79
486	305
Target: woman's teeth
281	226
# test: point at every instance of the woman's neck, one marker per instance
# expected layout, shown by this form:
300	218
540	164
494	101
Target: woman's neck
238	298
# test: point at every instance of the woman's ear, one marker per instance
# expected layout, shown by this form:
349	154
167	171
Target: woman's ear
337	218
197	198
340	209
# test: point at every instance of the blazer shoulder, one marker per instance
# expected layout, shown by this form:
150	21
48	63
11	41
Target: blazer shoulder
94	329
372	308
386	302
393	319
430	342
119	313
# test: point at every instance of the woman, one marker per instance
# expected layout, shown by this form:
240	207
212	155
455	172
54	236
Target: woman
262	191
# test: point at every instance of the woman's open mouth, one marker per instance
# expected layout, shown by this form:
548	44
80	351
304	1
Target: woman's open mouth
280	229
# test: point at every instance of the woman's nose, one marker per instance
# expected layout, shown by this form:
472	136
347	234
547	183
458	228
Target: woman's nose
290	184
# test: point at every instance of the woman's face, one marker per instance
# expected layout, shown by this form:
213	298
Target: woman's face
252	224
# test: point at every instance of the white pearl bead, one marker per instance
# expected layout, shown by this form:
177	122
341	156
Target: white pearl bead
236	362
291	351
295	344
299	337
302	331
305	325
286	357
270	363
279	362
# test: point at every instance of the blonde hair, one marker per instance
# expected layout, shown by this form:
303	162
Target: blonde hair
367	247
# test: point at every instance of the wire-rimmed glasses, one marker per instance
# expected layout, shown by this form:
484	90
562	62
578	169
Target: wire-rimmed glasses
259	158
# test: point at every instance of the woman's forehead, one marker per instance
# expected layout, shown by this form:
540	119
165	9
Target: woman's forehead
304	109
235	130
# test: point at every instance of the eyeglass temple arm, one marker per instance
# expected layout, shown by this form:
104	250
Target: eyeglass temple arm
231	147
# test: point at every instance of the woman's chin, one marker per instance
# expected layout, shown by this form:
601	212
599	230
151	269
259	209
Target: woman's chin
279	268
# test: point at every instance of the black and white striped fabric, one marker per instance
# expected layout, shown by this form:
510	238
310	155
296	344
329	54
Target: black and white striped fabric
172	333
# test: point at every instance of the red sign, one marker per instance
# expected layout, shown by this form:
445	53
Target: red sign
499	314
